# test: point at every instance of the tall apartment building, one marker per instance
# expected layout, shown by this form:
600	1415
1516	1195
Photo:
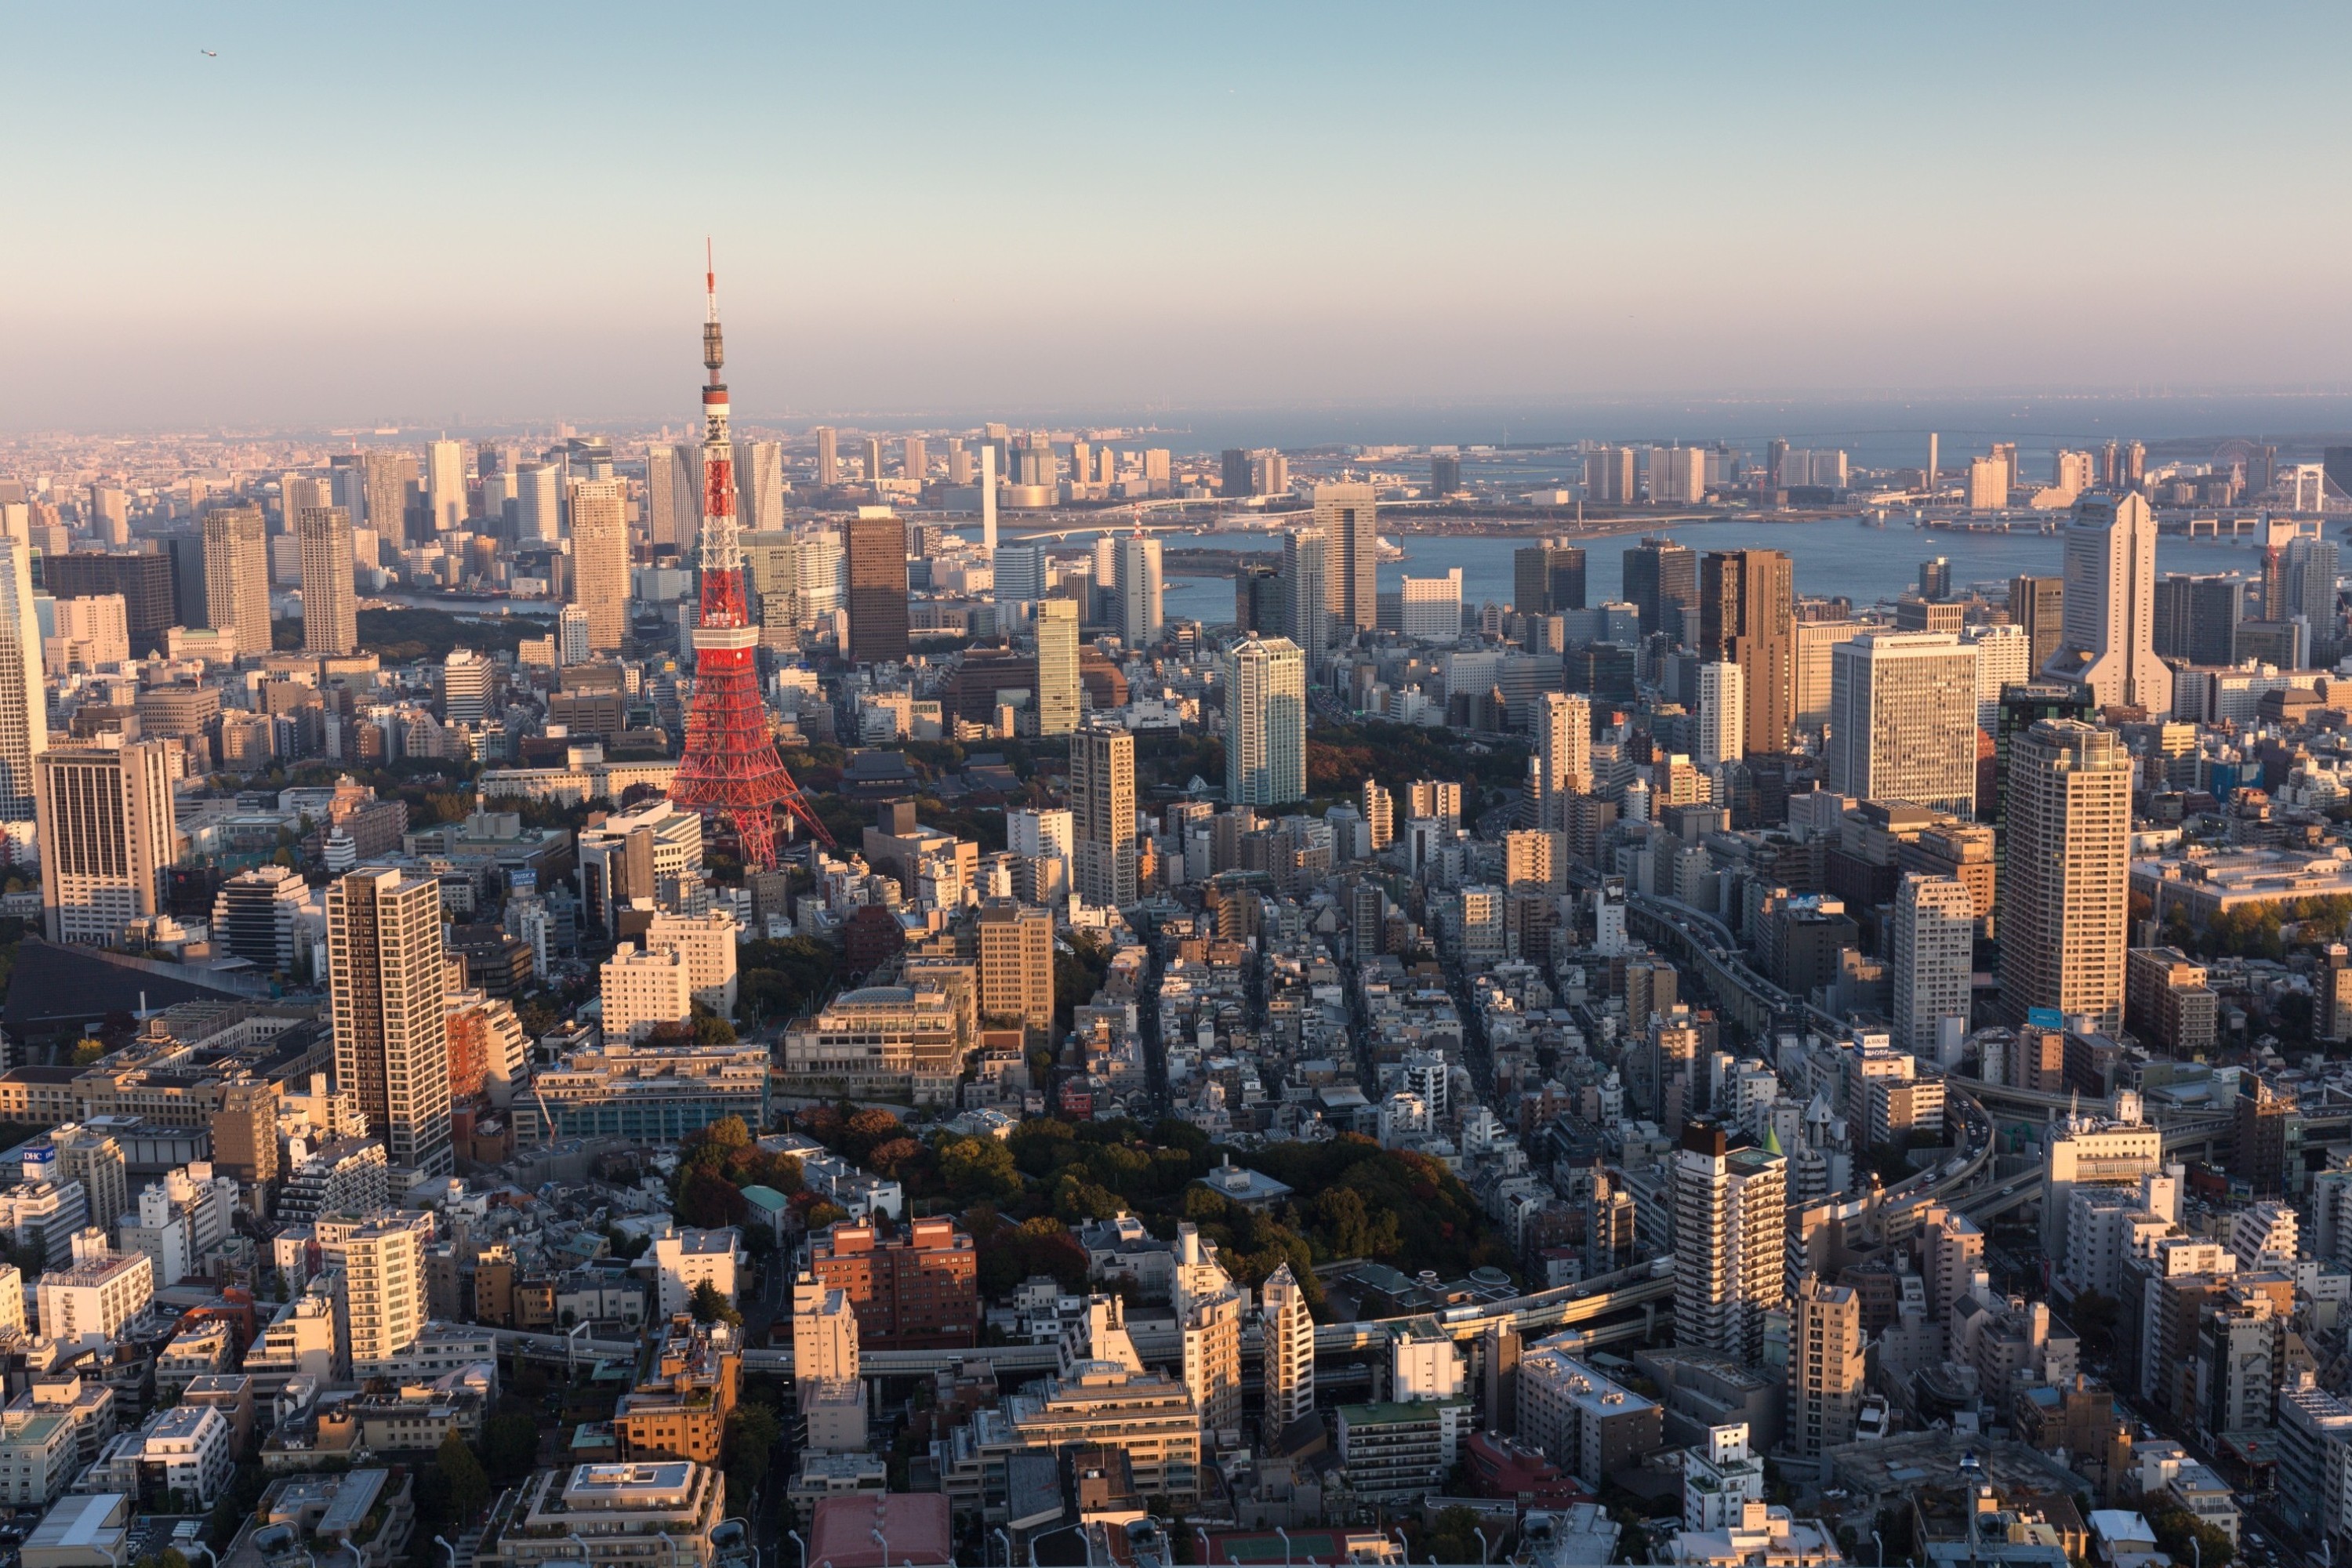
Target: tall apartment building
828	457
1348	520
104	816
93	1298
2108	643
1826	1369
915	1292
445	484
1933	940
386	974
1209	1317
24	696
1266	722
1289	1338
2087	1152
1563	759
600	562
1722	715
1102	809
1306	593
643	989
237	576
876	543
1057	665
329	592
1747	617
1136	589
383	1276
1731	1208
2065	892
1016	962
1903	720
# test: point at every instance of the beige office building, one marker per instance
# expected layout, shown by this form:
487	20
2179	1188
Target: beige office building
1348	520
1102	812
1816	641
1057	666
329	592
1933	936
24	696
600	562
386	974
2064	890
1903	720
1016	962
237	576
1826	1366
103	812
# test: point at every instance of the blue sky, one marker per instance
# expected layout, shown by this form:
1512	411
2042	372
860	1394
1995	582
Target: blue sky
435	214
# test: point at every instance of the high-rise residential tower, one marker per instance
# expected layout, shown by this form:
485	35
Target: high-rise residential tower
1730	1241
237	576
1933	937
828	457
1348	520
1266	722
2109	639
1057	666
1747	617
386	974
876	540
445	484
329	590
103	813
1722	714
1102	812
1826	1366
1289	1337
1136	589
1563	753
1903	720
2065	890
1306	598
24	699
600	562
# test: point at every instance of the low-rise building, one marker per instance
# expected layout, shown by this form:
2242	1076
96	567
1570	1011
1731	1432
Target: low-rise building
608	1516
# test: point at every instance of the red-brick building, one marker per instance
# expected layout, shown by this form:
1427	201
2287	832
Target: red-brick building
919	1291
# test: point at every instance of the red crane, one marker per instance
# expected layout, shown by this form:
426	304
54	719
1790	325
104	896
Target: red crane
730	768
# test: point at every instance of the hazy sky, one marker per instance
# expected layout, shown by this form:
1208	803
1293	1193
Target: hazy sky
434	214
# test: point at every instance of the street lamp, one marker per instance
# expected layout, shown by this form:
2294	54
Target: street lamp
999	1533
881	1541
1483	1552
1882	1549
1286	1545
750	1539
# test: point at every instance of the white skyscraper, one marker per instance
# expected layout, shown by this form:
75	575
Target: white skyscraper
2108	638
24	702
988	496
1932	938
1135	566
1722	715
1903	720
444	485
330	589
538	516
1432	606
2004	657
1306	610
1266	722
760	484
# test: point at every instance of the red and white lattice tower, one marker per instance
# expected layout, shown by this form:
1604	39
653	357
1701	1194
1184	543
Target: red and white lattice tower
730	768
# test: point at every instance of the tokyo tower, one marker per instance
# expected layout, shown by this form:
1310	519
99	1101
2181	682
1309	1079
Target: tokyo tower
730	768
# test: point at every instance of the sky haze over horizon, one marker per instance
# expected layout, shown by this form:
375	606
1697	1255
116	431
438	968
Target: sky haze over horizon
445	214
